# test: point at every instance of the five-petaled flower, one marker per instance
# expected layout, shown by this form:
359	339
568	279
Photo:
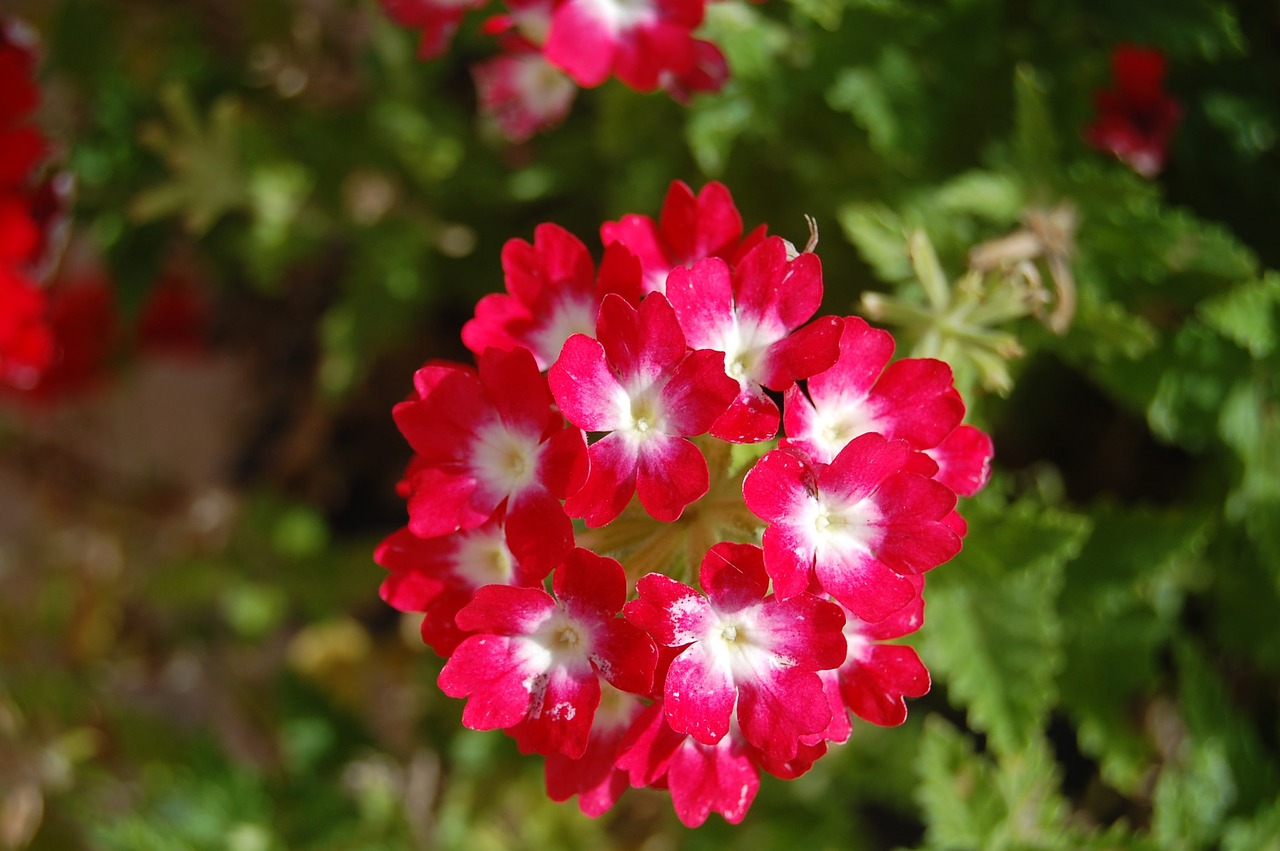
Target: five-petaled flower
641	385
534	663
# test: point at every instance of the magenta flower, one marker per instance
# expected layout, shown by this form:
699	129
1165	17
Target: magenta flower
438	576
913	399
875	676
855	525
688	230
1136	119
709	73
640	384
745	654
534	663
521	92
638	41
962	461
703	778
595	776
491	441
752	315
552	293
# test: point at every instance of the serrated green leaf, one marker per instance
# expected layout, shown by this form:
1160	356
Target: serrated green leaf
993	632
1260	833
957	789
972	802
1192	797
1035	141
714	127
1200	369
1247	314
880	98
986	194
880	236
1218	732
1119	605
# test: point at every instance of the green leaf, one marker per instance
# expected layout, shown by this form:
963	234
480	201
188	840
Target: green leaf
1261	833
957	789
880	98
880	236
986	194
1120	604
969	801
993	632
1035	140
1218	732
1247	314
1192	796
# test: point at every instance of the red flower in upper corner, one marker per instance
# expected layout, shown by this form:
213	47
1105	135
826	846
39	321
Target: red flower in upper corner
639	41
1136	119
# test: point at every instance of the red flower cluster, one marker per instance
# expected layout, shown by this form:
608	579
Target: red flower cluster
551	47
26	343
720	606
1137	118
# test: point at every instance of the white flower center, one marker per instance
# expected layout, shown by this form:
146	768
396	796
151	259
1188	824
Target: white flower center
570	315
506	462
845	528
622	15
837	425
483	559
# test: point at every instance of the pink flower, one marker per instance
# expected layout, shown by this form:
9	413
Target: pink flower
962	461
752	315
1136	119
912	399
746	655
875	676
491	441
640	384
522	92
637	40
688	230
595	776
534	663
722	777
438	20
856	525
438	576
709	73
552	294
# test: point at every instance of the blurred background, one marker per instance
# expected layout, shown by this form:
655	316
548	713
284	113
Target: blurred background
263	216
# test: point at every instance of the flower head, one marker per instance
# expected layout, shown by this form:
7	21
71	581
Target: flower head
731	659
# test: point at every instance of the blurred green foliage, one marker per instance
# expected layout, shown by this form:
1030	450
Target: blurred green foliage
202	662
